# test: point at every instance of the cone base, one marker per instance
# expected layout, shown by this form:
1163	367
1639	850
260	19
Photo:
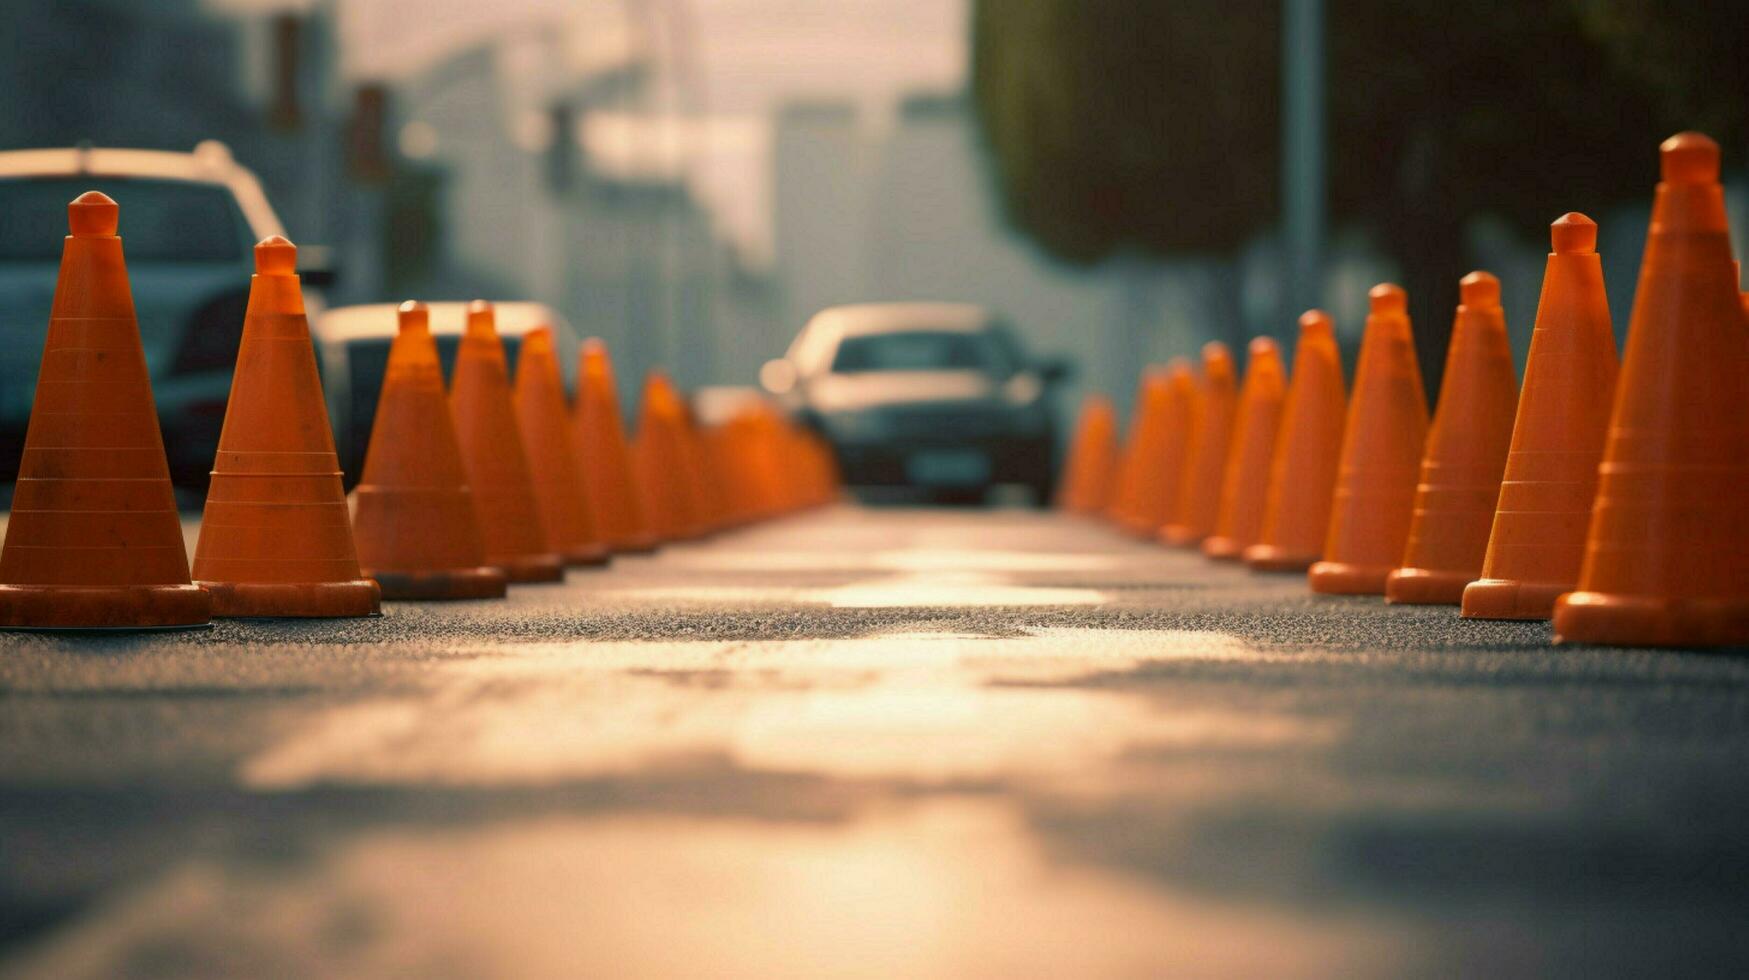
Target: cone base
1273	558
1647	621
1180	536
1342	578
594	556
1498	598
637	546
1131	525
532	568
484	582
1222	548
1426	587
60	607
294	600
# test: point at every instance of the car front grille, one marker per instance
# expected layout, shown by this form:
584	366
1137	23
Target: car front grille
948	422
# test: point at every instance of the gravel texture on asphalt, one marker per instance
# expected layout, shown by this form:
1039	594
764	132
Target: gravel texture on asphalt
874	742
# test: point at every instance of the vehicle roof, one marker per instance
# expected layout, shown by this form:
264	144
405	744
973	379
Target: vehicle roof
209	163
370	320
867	318
813	348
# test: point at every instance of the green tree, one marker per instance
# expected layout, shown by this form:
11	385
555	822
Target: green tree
1118	124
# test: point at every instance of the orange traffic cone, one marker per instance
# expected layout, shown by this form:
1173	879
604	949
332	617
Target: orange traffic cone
659	462
94	540
545	423
601	449
494	457
1160	449
1381	455
1466	453
702	482
1302	475
276	538
1199	497
1087	471
1246	480
1538	537
417	532
1667	554
1124	477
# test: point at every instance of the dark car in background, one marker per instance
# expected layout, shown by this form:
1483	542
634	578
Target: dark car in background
940	398
189	224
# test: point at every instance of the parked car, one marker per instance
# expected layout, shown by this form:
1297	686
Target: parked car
352	346
938	397
189	223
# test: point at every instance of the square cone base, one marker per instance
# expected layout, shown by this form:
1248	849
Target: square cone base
1498	598
63	607
1180	536
1649	621
1426	587
484	582
1342	578
1222	548
596	556
1272	558
295	600
533	568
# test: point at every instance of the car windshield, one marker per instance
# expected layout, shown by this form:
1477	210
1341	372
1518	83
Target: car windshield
161	220
923	350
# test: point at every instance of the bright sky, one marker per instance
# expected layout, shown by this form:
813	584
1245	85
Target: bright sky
746	57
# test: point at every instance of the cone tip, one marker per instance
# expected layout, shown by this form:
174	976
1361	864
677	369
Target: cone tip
1689	158
1388	297
481	319
1217	360
413	314
1262	347
1573	234
275	255
93	214
1177	366
1316	323
1479	289
539	338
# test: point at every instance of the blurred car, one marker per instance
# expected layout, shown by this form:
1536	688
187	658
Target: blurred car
352	345
939	397
189	223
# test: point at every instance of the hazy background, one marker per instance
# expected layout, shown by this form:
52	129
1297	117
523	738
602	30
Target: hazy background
690	179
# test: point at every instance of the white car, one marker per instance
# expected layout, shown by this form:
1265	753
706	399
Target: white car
352	343
934	397
189	224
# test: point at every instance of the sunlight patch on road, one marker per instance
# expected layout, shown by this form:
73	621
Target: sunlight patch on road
918	707
901	560
930	590
952	888
949	589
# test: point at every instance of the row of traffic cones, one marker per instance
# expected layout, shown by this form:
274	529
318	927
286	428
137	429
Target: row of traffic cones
464	491
1618	510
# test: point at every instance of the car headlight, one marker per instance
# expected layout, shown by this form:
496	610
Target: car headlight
1022	389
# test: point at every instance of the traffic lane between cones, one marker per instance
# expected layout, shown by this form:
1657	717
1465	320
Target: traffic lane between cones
1098	729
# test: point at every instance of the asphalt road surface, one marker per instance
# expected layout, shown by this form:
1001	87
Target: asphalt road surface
881	743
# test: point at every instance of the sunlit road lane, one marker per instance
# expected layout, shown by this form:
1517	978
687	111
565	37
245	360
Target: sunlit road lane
873	743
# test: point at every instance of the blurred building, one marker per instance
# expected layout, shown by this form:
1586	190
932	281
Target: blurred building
868	209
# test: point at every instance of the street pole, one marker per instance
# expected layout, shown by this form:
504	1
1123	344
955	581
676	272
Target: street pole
1303	161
